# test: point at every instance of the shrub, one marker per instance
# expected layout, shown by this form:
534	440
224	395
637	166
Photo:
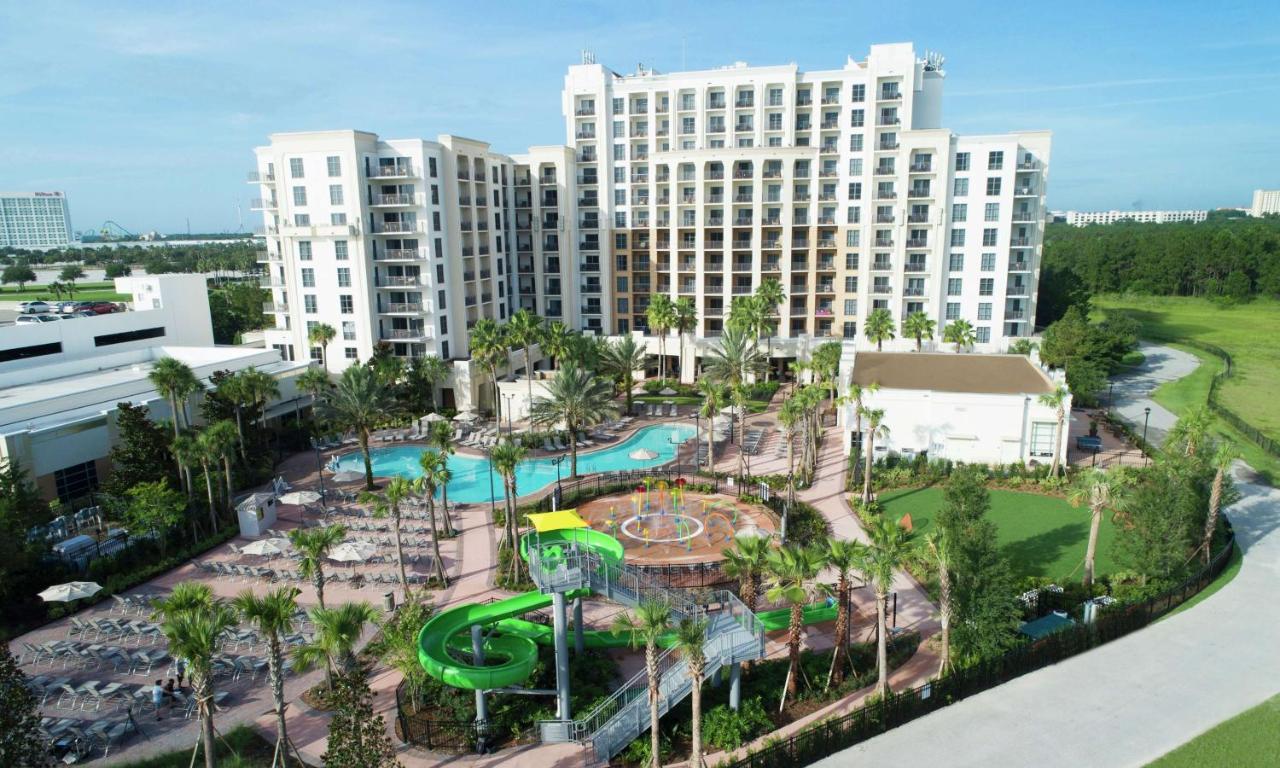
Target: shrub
1132	357
723	728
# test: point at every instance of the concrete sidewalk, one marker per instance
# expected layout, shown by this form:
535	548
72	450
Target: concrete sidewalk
1132	700
1133	389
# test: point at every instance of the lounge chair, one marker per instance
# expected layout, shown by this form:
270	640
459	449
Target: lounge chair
673	410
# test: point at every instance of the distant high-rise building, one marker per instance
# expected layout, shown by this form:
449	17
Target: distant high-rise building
34	220
1265	201
1083	218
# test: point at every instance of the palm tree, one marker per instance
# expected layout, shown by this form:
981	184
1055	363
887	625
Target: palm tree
524	329
259	388
195	634
220	439
1057	400
879	327
740	399
185	596
936	552
960	333
686	321
506	457
272	615
555	341
435	474
845	557
875	428
314	381
175	381
440	437
1099	490
886	552
651	621
661	315
747	314
489	349
360	402
712	401
387	504
920	326
770	295
734	360
747	562
691	636
313	544
1223	458
790	417
319	336
855	395
192	450
793	577
575	398
429	371
337	630
1192	430
621	361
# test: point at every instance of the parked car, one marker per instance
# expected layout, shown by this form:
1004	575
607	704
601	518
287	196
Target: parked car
67	307
33	307
100	307
43	317
81	313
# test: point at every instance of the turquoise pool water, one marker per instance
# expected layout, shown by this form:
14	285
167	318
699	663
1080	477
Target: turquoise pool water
470	481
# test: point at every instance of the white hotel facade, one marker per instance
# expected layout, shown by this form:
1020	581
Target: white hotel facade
841	184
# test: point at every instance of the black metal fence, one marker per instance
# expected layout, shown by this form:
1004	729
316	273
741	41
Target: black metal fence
422	730
831	736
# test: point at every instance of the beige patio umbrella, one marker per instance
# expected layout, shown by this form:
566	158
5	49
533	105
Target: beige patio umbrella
299	497
74	590
266	547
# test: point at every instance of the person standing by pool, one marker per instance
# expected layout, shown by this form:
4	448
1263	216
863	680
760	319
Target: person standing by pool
157	697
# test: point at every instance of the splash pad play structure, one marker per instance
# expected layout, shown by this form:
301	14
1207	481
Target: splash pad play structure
488	648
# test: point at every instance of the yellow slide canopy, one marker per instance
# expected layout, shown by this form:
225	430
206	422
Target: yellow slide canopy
563	520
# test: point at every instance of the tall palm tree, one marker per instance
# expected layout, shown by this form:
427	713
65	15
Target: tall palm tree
1223	458
879	327
320	335
435	474
272	615
506	457
960	333
360	402
259	389
651	620
314	381
185	596
691	638
790	417
845	557
1099	490
740	398
220	439
747	314
440	437
231	388
1057	400
195	634
175	381
1192	430
793	577
337	630
748	562
771	296
524	329
887	551
686	320
192	450
734	360
855	395
936	553
575	398
621	361
387	504
429	371
313	544
712	401
555	341
919	326
875	428
661	315
489	349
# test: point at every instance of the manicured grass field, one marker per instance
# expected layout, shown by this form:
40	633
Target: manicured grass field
1042	536
84	292
1249	739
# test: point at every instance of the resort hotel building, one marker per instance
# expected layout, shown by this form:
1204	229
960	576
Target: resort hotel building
34	220
842	185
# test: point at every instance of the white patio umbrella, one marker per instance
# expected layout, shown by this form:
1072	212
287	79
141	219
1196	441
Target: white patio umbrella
65	593
432	417
347	476
465	416
299	497
353	552
266	547
668	392
642	454
730	410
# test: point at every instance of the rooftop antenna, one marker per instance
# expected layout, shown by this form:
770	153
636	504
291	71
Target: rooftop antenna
588	56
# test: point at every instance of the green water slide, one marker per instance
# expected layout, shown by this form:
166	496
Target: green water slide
511	652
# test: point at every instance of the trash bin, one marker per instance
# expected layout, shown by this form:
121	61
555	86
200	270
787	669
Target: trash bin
389	602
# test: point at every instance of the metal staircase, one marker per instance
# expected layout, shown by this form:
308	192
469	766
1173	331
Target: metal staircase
733	635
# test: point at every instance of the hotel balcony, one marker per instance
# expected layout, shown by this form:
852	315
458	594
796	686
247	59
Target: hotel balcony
275	308
424	333
396	227
399	171
405	308
259	204
399	281
260	177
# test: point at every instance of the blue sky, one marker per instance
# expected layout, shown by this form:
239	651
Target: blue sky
147	113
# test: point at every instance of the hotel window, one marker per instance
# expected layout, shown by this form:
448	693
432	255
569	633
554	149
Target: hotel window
301	219
953	310
335	166
304	250
989	236
851	261
1042	438
855	142
960	188
688	125
308	277
775	141
995	161
993	186
850	286
309	303
619	197
962	161
346	305
986	286
857	118
335	194
854	215
619	151
340	250
349	353
338	219
316	352
984	310
991	212
855	190
855	166
954	286
619	106
75	481
348	330
435	194
299	195
851	307
295	168
956	262
852	238
959	212
431	165
957	238
988	262
344	277
983	334
858	92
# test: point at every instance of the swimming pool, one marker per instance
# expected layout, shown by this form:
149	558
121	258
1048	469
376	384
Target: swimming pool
470	481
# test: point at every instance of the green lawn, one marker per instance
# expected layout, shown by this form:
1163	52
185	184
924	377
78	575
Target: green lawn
253	752
1042	536
84	292
1249	739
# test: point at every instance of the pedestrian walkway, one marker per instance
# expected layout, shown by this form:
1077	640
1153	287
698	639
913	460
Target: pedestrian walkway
1132	700
1132	390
